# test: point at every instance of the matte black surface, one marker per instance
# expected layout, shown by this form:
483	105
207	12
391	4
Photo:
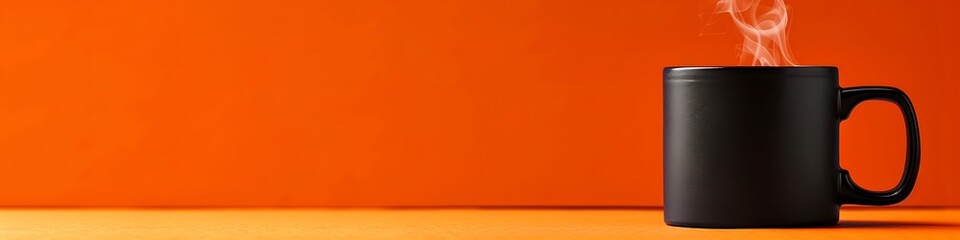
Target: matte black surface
758	146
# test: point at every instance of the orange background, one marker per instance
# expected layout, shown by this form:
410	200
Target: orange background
416	103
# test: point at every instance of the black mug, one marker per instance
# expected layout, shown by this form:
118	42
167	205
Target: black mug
758	146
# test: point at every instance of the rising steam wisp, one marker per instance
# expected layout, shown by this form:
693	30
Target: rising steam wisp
764	31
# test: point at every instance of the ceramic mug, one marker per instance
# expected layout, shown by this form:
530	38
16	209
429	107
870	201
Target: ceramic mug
759	146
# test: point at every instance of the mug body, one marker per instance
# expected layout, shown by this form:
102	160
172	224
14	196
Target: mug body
751	146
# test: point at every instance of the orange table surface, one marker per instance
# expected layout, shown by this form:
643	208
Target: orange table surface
866	223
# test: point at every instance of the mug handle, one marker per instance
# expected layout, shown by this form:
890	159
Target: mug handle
850	192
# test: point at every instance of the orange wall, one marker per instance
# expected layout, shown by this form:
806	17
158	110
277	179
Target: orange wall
372	103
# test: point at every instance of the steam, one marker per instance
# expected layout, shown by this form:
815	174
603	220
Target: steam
764	31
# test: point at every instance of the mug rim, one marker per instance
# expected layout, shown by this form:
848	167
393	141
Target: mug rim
725	72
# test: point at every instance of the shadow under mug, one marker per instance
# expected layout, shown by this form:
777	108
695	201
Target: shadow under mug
758	146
